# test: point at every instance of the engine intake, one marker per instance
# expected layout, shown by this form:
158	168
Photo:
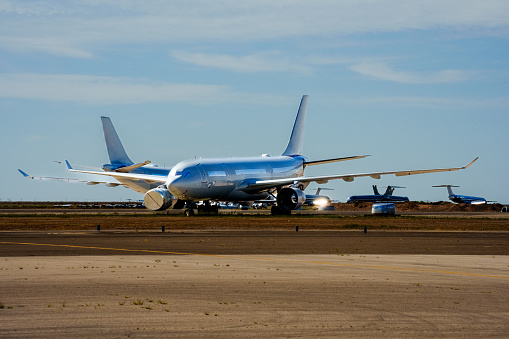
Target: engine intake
158	199
291	198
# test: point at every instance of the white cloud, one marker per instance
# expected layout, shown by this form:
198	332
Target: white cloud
103	90
92	25
433	102
262	62
381	71
51	46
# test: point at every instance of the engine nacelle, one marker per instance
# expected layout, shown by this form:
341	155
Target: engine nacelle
158	199
291	198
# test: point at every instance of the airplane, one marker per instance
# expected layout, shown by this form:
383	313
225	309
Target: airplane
463	198
377	197
317	199
228	179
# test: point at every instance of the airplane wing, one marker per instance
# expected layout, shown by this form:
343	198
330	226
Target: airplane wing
326	161
150	178
71	181
261	185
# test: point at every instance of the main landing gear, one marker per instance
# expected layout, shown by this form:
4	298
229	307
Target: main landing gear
280	210
189	208
204	209
207	208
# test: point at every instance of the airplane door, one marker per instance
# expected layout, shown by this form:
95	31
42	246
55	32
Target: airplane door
227	171
202	174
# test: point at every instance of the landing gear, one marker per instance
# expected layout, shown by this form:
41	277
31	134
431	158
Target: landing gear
204	209
208	209
189	211
280	210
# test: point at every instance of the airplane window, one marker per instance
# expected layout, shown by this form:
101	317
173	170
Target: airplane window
250	171
217	174
182	173
283	169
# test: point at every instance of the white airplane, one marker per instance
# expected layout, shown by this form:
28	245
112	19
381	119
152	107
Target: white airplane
228	179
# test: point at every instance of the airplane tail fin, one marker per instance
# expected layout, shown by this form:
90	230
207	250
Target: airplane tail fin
449	188
389	191
295	144
375	190
116	151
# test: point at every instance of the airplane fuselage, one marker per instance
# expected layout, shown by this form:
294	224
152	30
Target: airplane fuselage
377	198
226	179
465	199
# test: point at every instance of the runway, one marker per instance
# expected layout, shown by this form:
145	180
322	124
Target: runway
254	283
251	241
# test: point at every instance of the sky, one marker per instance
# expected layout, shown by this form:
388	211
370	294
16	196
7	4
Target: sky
414	84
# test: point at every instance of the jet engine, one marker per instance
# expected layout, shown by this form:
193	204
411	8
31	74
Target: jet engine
158	199
291	198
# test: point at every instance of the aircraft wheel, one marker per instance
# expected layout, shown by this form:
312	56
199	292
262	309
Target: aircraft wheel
280	210
189	212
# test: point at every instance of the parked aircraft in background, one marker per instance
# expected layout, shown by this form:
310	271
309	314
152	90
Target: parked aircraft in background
465	199
377	197
317	199
228	179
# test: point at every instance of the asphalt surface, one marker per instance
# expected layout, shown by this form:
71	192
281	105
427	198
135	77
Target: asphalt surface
72	243
254	283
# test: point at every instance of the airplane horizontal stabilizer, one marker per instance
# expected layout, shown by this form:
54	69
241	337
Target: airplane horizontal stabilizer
127	169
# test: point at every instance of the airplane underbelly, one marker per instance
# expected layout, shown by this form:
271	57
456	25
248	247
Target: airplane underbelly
242	196
222	191
213	190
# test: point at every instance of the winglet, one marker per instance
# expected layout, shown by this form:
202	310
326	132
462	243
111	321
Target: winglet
24	174
68	165
295	144
467	166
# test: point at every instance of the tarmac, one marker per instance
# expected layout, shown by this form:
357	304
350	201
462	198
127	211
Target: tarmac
254	284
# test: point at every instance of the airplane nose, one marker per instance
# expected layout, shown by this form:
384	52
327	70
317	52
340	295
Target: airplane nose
176	186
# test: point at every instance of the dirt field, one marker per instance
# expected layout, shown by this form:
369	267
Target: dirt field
231	222
26	216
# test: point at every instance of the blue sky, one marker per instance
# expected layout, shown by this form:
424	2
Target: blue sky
415	84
